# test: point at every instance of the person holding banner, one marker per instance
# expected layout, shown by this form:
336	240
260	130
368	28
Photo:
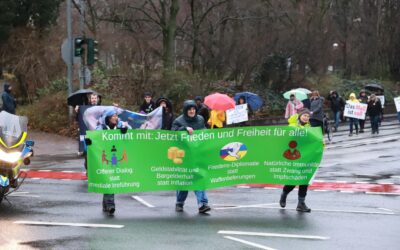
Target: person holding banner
353	121
374	111
302	121
190	121
241	101
111	121
168	115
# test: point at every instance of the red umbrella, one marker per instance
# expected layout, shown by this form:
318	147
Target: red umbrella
218	101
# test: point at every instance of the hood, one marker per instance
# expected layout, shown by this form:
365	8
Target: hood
159	100
352	95
107	113
187	105
6	86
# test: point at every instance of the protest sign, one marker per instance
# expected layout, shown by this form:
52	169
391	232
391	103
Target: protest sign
237	114
151	160
397	103
382	99
355	110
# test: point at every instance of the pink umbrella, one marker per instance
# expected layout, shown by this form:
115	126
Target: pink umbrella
218	101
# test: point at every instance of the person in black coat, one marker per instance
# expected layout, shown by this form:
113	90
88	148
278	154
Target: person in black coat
337	106
9	103
148	105
202	109
190	121
168	115
374	111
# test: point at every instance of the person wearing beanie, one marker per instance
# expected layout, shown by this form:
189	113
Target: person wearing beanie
9	104
190	121
110	120
301	120
353	121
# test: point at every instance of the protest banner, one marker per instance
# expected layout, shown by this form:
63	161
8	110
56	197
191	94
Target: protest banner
355	110
152	160
237	114
382	99
397	103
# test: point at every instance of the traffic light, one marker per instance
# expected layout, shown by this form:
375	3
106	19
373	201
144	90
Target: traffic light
79	50
92	51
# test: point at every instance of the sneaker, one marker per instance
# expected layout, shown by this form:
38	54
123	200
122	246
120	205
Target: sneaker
362	131
302	207
110	209
204	209
282	201
179	207
351	134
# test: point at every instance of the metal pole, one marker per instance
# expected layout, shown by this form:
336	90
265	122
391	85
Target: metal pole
82	81
70	49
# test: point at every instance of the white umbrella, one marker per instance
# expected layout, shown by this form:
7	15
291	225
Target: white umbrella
306	91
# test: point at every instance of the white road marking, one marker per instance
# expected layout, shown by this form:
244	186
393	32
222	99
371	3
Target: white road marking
382	193
24	195
245	206
44	170
36	178
142	201
66	179
69	171
347	191
44	223
249	243
243	187
298	236
270	188
319	190
385	209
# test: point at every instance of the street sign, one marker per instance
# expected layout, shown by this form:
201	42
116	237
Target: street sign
86	77
66	53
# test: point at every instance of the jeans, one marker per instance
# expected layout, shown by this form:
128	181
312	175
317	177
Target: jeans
336	117
302	190
355	122
200	195
108	200
362	123
374	123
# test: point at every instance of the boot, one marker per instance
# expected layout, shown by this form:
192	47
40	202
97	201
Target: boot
282	201
302	207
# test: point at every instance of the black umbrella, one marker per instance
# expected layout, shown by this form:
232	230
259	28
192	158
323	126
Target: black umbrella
80	97
374	87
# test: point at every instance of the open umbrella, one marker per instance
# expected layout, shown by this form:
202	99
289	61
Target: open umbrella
80	97
304	90
218	101
374	87
300	95
253	100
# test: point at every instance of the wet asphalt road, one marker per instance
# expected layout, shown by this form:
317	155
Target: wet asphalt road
338	221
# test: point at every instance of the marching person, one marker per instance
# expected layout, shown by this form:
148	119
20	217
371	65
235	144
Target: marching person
9	103
202	109
111	121
363	98
190	121
317	112
168	115
217	119
302	121
148	104
293	106
353	121
337	105
374	111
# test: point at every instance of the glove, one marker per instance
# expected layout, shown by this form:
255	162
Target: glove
88	141
124	130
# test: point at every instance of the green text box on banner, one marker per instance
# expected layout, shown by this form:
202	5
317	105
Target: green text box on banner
152	160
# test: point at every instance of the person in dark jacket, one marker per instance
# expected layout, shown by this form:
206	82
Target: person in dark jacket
337	106
363	98
374	111
240	101
190	121
111	121
202	109
9	103
168	115
148	105
317	112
